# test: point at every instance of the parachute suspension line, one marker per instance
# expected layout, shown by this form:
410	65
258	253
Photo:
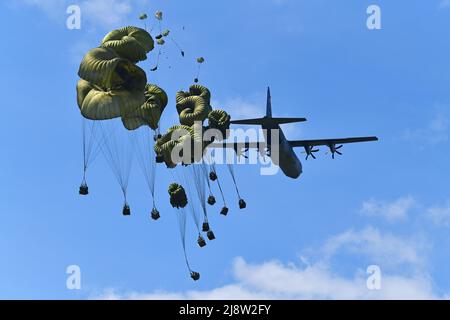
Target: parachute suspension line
191	202
205	173
90	151
157	61
198	73
184	179
199	179
181	217
177	45
200	60
143	144
119	158
231	170
200	186
213	169
242	203
214	177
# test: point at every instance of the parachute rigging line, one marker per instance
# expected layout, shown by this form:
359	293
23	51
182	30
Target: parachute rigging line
90	149
117	151
242	204
213	169
143	143
181	218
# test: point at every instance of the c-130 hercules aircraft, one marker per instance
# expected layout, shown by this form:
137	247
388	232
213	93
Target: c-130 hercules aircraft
285	157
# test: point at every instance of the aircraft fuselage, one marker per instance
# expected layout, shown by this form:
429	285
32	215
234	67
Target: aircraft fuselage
287	160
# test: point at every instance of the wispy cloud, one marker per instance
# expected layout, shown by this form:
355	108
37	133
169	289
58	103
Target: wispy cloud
444	4
437	130
240	108
277	280
383	248
107	13
391	211
440	215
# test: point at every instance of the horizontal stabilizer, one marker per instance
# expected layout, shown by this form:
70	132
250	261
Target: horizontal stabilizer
267	121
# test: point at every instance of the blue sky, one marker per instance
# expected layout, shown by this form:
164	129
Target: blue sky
384	203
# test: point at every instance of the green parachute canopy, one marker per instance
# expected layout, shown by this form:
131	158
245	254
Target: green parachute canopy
184	138
131	43
220	120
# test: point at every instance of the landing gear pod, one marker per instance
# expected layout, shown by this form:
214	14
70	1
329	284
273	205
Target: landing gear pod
242	204
155	214
224	211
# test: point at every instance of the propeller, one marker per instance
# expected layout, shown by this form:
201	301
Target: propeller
310	152
263	152
240	152
334	149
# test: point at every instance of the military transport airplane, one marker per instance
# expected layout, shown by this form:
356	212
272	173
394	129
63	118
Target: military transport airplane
286	158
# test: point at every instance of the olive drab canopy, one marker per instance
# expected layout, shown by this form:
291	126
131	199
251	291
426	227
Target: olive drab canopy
150	111
220	120
179	136
113	86
131	43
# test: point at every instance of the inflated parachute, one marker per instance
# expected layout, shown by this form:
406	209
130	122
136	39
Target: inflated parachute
149	113
193	105
112	87
183	138
131	43
194	108
155	102
219	120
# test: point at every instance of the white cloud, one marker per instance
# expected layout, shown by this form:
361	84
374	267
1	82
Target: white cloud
383	248
108	13
391	211
440	215
274	280
277	280
437	130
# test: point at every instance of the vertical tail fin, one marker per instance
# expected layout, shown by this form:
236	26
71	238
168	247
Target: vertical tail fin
269	104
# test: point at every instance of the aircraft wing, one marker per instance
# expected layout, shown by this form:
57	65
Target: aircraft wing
328	142
237	145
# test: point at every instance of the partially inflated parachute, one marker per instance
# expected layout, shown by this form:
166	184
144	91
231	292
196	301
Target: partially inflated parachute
131	43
